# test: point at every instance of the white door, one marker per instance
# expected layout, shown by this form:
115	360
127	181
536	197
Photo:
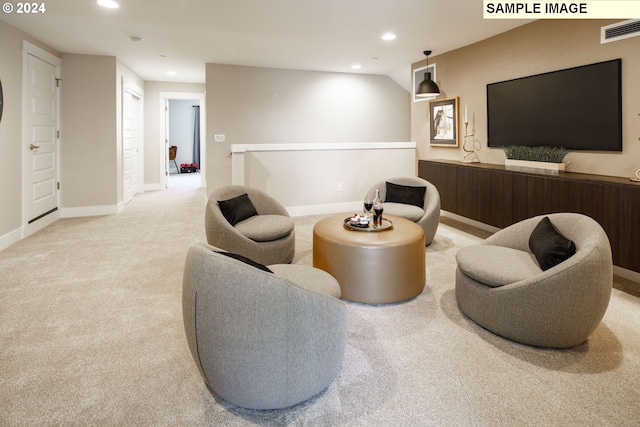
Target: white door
130	140
40	138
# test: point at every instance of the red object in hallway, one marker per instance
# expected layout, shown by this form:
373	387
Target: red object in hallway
188	167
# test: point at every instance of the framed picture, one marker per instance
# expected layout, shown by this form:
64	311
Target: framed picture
445	121
418	76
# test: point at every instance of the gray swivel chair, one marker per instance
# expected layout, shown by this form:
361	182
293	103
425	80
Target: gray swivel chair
262	340
265	235
501	287
426	216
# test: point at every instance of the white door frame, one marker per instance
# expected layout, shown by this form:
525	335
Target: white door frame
33	50
138	93
164	159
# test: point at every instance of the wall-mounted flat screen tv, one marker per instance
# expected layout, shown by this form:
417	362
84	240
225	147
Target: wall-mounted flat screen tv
578	108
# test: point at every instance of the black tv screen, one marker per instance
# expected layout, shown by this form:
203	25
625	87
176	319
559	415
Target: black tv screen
578	108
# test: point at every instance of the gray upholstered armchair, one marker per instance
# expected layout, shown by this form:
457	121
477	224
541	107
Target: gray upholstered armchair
265	235
426	216
262	340
501	286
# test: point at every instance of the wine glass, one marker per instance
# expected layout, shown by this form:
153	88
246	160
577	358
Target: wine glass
368	205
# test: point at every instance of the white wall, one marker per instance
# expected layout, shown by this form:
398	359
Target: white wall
251	105
321	178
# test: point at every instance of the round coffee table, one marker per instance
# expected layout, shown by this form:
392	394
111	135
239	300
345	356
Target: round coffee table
374	267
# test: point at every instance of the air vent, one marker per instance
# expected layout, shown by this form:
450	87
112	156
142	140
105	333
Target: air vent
619	31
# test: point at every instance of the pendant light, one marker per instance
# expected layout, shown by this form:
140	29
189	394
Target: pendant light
427	87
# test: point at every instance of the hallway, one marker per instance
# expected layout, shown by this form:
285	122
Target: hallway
184	180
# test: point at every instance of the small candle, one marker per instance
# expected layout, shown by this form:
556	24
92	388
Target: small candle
466	119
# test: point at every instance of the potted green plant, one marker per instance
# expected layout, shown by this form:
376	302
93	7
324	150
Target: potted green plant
547	158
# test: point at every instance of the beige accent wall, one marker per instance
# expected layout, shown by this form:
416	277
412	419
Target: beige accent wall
89	132
11	131
153	137
535	48
251	105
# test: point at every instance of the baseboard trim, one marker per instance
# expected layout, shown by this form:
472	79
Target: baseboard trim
328	208
634	276
468	221
89	211
10	238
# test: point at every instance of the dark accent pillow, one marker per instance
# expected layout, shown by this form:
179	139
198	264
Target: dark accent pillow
237	209
245	260
405	194
549	246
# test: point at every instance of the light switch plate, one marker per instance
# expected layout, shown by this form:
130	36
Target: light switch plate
218	138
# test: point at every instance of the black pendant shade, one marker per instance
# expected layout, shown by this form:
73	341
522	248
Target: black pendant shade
427	87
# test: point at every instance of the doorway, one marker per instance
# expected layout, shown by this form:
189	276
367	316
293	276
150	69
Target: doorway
132	166
40	137
184	143
182	124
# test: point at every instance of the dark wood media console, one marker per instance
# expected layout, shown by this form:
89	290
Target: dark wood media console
500	197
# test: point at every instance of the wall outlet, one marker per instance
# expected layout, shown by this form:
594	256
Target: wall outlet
219	138
339	187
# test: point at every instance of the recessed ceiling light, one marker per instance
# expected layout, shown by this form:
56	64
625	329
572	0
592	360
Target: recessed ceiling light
108	4
356	66
136	39
389	36
171	73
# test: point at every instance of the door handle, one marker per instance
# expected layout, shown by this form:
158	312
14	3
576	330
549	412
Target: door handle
33	147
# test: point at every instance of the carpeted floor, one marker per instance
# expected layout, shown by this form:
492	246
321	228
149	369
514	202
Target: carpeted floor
91	334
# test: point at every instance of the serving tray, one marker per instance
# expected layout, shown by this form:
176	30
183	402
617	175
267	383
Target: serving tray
386	225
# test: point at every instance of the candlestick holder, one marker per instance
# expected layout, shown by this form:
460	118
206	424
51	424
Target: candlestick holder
471	156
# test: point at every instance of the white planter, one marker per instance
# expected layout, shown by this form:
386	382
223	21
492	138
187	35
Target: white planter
528	164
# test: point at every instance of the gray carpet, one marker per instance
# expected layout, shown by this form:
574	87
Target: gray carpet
91	334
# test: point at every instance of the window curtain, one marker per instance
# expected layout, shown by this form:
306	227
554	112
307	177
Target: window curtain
196	135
